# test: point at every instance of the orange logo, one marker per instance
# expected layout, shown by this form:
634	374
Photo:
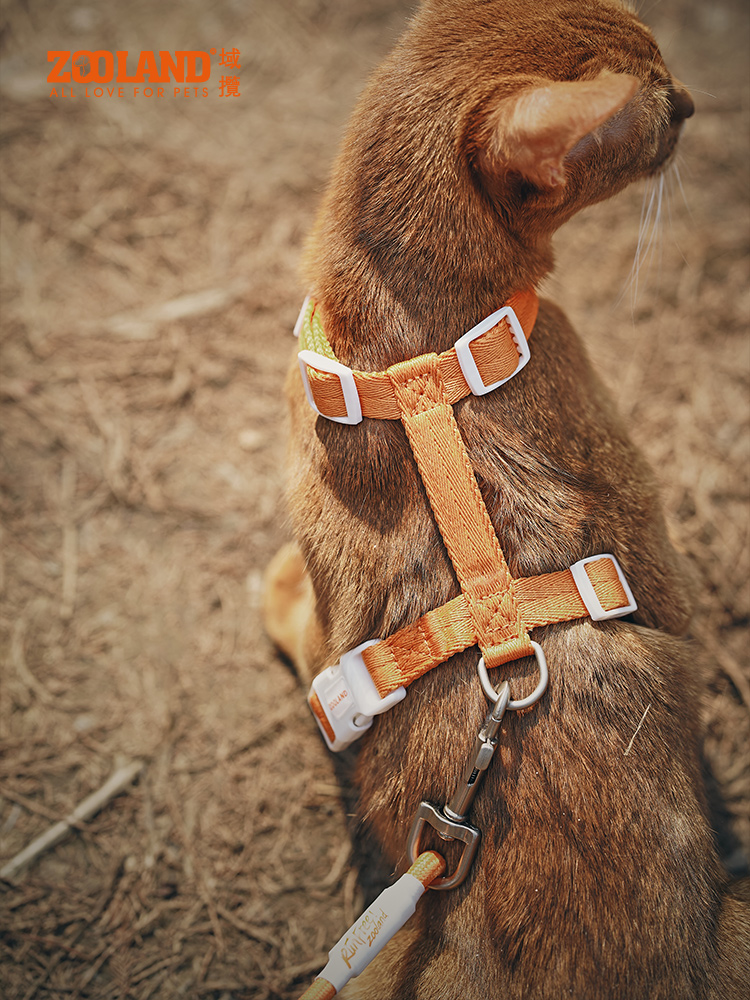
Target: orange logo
152	68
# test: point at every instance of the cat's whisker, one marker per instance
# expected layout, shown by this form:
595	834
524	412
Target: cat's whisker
631	283
694	90
654	230
646	209
672	177
678	178
649	235
673	181
657	228
645	238
657	201
639	7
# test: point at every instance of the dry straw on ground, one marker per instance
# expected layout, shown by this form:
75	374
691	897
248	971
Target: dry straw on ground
149	256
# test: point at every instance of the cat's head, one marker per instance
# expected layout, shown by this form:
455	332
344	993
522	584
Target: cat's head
491	123
573	99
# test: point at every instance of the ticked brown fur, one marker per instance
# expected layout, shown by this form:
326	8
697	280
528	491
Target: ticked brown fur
489	126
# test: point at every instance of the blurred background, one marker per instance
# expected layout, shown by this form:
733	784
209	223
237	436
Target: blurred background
149	250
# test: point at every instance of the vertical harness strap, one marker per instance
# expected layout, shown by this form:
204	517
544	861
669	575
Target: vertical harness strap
459	509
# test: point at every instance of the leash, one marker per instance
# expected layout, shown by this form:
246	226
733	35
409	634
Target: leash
367	937
494	610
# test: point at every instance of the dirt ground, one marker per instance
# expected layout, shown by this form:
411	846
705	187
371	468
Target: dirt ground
149	252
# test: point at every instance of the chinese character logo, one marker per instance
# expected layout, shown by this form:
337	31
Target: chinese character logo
230	59
230	86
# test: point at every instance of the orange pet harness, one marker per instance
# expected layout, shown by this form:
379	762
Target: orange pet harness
494	610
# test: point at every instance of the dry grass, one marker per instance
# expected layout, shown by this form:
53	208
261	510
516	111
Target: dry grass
149	254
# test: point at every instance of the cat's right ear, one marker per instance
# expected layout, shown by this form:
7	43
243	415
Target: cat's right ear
531	132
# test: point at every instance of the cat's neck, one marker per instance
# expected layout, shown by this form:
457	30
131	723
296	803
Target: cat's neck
385	300
412	248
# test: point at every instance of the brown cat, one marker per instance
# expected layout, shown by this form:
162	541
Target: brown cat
489	126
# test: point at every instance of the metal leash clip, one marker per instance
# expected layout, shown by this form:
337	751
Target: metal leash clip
450	822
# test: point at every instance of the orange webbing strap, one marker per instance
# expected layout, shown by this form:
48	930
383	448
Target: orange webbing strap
428	866
554	597
459	510
375	928
320	989
320	715
449	629
495	355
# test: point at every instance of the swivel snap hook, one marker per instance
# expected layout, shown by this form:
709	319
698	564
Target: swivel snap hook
450	822
484	749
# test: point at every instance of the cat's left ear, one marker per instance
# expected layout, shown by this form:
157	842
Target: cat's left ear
532	132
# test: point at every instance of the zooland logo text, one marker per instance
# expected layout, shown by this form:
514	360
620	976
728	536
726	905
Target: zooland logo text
102	66
99	67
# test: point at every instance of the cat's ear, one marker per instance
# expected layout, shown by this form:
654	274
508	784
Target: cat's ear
532	131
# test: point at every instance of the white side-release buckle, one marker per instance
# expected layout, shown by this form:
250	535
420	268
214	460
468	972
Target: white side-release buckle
588	594
349	698
466	358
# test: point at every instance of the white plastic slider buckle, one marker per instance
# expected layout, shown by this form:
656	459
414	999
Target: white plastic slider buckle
345	376
466	358
588	595
301	318
349	698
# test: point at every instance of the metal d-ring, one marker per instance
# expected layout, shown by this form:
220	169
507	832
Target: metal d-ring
535	695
